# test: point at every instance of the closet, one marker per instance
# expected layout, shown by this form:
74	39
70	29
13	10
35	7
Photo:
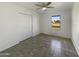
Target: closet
25	26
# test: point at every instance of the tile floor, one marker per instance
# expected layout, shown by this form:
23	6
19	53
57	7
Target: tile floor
42	46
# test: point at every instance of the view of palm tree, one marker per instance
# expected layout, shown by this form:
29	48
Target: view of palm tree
56	21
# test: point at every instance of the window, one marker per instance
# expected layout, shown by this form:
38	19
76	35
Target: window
55	21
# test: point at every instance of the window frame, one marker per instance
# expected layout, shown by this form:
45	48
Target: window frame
60	21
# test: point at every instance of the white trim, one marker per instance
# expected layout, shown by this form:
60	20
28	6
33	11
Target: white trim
75	47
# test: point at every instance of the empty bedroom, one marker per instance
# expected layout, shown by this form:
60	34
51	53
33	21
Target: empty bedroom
39	29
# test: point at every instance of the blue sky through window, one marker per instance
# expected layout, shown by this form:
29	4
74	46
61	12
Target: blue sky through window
57	17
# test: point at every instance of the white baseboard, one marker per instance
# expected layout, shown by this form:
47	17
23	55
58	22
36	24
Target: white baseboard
12	43
76	48
8	45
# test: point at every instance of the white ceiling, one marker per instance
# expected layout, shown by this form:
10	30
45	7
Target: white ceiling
57	5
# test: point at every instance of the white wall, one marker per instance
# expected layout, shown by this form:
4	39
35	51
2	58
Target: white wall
9	34
75	26
64	31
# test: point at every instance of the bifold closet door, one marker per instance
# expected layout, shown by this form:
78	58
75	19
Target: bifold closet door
24	26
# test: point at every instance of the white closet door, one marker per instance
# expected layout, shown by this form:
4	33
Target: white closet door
29	25
24	26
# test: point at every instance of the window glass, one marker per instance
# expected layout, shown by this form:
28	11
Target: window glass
55	21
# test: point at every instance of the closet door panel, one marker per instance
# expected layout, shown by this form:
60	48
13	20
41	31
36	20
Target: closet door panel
24	27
